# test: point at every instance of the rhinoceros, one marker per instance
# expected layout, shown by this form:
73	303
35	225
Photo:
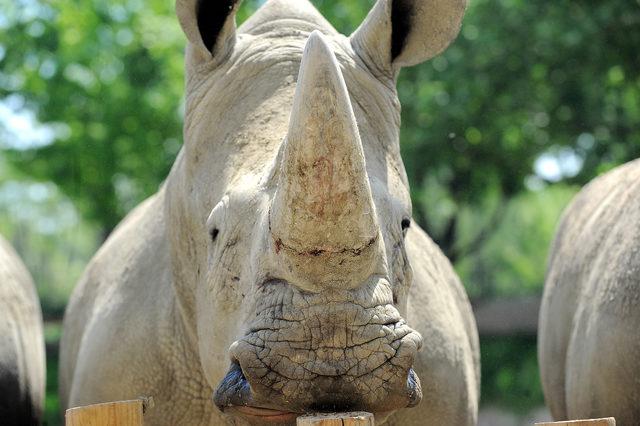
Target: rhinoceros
589	331
22	360
275	272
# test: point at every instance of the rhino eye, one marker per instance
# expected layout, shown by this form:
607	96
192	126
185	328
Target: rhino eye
214	234
405	224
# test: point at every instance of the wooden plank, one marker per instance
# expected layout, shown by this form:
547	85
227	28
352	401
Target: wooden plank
355	418
607	421
121	413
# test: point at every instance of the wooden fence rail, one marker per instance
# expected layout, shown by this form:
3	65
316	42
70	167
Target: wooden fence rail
130	413
608	421
359	418
121	413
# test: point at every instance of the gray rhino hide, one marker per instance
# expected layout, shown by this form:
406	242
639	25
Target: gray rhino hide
589	334
22	360
168	306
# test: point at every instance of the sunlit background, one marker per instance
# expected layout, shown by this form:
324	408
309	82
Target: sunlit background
532	101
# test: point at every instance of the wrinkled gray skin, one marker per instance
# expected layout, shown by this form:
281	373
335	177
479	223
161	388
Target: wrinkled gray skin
273	272
22	360
589	334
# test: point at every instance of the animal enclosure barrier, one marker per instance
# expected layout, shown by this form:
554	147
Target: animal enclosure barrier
608	421
130	413
358	418
121	413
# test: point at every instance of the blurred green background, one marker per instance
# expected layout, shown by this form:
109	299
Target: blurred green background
532	101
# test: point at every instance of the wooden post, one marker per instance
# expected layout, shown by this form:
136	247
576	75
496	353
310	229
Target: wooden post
121	413
356	418
608	421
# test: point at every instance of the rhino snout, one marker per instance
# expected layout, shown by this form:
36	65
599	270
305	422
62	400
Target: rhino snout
323	364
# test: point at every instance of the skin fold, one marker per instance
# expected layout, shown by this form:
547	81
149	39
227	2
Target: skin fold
276	270
589	345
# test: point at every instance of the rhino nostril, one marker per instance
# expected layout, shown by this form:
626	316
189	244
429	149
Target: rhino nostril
234	388
414	388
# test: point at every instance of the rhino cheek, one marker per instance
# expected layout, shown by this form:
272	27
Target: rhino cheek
217	328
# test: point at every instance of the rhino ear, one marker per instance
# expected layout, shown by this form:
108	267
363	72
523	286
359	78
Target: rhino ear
399	33
209	24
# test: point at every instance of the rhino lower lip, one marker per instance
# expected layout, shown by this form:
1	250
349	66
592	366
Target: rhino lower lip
264	414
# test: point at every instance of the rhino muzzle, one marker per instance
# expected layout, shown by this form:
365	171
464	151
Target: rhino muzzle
304	352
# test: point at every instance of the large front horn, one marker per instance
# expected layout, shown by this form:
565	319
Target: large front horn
323	215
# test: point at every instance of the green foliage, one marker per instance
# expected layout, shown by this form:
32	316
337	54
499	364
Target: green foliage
108	74
54	243
511	260
52	415
522	79
510	372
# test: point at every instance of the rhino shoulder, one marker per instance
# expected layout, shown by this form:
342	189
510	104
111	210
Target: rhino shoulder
114	274
435	279
449	362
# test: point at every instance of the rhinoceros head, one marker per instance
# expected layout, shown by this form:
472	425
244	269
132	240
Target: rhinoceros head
289	204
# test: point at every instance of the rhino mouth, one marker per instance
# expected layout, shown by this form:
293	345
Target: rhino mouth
234	397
